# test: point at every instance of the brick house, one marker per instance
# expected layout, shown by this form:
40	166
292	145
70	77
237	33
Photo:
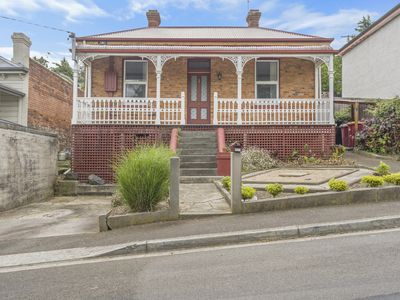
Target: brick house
32	95
256	85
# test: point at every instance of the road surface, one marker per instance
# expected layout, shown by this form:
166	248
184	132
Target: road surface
354	266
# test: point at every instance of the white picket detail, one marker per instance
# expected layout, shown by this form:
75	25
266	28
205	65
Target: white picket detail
139	111
272	111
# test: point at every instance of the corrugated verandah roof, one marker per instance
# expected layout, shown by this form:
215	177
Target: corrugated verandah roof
202	33
203	49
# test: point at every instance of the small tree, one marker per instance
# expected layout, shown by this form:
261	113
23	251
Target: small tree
64	68
337	67
41	60
363	24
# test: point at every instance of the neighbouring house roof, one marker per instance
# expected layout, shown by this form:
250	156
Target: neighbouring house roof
11	91
204	34
206	49
8	66
378	24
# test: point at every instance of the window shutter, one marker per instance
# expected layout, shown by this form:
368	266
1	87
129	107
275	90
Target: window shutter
110	82
110	78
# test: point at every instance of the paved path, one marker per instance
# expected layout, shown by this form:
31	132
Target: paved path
205	225
371	162
202	198
58	216
353	266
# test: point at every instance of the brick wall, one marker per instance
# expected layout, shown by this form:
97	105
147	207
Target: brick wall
96	147
50	102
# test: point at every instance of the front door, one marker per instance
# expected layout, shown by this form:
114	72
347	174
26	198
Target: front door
198	103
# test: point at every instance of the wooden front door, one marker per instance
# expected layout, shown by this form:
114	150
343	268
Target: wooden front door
198	102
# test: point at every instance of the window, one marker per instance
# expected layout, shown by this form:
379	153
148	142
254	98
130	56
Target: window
267	79
135	79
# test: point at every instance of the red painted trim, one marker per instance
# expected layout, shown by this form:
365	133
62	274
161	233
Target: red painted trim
203	40
209	51
173	144
221	140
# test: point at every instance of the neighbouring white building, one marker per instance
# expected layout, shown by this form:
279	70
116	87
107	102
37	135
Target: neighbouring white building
371	61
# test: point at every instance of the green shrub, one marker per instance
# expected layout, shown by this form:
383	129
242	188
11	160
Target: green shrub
143	176
338	185
226	183
301	190
383	169
392	178
248	192
372	181
255	159
274	189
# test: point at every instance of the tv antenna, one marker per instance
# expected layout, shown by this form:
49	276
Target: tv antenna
248	5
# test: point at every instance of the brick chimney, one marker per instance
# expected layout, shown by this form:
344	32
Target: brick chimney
153	18
21	48
253	18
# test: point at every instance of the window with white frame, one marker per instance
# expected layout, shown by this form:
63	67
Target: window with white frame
267	79
135	78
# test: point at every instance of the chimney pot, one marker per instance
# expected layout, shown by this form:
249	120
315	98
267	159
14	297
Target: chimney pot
21	48
253	18
153	18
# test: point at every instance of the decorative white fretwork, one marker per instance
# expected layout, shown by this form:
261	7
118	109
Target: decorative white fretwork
158	60
239	61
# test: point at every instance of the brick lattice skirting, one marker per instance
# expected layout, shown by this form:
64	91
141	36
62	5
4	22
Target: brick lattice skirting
95	147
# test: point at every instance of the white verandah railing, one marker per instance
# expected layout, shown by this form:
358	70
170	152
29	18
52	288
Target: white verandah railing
171	111
138	111
271	111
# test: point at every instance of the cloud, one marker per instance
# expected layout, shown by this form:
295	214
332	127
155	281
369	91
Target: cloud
53	57
139	6
299	18
72	9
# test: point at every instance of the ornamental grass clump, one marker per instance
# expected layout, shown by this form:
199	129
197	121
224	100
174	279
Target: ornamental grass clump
248	192
392	178
256	159
383	169
338	185
274	189
143	177
372	181
301	190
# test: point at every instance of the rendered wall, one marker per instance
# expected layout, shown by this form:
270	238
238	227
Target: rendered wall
28	165
372	69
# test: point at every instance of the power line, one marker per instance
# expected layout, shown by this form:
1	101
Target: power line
36	24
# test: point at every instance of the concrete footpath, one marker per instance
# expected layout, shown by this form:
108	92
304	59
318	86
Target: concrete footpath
204	226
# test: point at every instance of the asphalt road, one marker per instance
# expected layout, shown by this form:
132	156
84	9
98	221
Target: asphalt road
359	266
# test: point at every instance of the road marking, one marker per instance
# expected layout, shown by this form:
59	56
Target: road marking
106	259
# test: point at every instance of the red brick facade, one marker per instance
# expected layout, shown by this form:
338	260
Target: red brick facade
50	102
96	147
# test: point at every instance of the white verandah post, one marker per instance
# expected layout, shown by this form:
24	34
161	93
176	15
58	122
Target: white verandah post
75	82
89	81
183	121
158	89
239	72
316	80
331	89
215	112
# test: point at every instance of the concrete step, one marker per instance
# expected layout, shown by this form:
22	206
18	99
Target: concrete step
198	172
199	151
199	179
197	146
198	158
198	134
200	139
198	165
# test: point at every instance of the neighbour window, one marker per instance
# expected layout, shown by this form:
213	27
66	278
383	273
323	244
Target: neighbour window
135	79
267	78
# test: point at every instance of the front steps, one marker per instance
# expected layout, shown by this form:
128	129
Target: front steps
198	151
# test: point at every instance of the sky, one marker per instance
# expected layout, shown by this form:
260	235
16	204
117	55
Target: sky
327	18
